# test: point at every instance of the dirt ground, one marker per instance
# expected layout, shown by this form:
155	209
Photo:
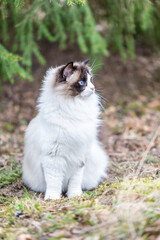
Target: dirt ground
131	136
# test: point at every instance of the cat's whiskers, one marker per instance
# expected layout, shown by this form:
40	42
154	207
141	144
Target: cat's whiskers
95	66
98	91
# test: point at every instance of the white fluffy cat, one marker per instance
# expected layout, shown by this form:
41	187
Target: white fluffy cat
62	152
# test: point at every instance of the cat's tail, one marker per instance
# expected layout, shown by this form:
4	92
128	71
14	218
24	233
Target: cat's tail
95	167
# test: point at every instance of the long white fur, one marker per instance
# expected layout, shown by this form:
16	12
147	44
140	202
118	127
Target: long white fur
62	152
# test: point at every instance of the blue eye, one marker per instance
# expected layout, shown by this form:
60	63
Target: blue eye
81	82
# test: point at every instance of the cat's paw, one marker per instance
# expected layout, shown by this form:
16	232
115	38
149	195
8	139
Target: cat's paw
74	194
52	196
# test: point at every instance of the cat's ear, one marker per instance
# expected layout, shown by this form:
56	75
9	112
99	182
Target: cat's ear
68	70
86	61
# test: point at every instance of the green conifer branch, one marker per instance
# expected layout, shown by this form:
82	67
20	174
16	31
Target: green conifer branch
9	66
24	23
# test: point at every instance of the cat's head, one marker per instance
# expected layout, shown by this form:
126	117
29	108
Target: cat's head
74	79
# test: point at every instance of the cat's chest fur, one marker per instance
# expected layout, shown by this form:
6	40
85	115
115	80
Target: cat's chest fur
69	127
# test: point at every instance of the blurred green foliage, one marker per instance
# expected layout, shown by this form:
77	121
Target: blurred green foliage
94	25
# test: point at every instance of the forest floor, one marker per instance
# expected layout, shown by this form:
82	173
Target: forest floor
125	206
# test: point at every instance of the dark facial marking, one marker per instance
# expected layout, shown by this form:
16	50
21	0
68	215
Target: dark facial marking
80	88
83	77
66	71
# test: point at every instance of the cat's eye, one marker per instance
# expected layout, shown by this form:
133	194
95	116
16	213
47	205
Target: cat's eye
81	82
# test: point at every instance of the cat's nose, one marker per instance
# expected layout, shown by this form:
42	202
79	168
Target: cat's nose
92	88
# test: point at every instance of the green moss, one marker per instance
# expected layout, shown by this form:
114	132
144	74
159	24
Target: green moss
9	127
142	186
10	173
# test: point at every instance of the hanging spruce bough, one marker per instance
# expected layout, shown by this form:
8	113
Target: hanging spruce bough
9	65
94	25
23	24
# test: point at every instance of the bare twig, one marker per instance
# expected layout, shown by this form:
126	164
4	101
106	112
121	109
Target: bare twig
147	151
